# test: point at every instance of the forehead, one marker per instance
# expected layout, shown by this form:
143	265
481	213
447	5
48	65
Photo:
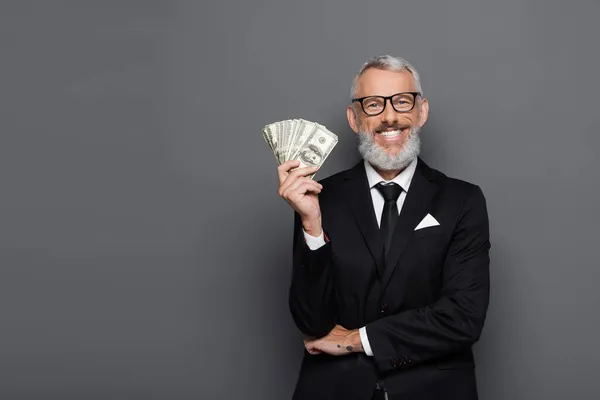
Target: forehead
384	83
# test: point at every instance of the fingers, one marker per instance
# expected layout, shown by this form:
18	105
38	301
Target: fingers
299	186
284	171
311	347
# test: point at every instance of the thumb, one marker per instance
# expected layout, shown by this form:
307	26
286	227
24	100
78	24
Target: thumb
311	346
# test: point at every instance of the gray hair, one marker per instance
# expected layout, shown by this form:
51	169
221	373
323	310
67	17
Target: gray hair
387	63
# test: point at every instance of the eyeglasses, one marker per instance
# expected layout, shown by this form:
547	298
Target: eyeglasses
375	105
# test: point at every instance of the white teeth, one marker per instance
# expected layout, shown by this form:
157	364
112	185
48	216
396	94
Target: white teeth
391	133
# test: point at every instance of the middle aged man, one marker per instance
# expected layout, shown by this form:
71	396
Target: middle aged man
390	278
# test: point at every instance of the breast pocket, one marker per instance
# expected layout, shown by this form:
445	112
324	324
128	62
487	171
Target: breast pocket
429	231
430	245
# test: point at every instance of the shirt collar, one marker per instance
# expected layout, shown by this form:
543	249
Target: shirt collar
403	179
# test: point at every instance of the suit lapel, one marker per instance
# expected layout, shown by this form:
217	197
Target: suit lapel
359	194
416	204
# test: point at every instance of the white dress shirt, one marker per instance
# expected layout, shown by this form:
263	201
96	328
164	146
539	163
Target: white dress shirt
403	179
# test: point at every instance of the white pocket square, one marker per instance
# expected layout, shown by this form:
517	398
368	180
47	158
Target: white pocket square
427	222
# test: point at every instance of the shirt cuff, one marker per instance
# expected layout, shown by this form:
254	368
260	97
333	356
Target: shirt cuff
312	242
365	341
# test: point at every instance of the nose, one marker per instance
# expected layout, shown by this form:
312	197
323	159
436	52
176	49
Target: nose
389	116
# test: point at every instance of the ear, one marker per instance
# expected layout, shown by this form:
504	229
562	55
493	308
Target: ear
350	114
424	112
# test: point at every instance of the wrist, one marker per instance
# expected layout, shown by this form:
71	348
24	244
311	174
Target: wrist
312	226
353	340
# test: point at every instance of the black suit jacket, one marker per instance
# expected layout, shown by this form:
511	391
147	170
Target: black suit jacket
422	313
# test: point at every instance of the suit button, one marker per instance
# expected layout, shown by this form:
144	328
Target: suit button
383	308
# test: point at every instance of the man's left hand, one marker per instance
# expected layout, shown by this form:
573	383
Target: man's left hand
340	341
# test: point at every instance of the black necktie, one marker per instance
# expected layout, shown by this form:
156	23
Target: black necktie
390	193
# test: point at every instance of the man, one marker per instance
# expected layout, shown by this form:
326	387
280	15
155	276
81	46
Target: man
390	279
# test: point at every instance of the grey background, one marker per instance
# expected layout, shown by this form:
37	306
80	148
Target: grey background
144	252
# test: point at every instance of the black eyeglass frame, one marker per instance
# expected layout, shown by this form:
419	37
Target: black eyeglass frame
385	99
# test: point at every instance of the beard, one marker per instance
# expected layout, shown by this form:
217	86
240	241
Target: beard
379	158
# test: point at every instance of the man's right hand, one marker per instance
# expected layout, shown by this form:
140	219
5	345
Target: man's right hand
301	193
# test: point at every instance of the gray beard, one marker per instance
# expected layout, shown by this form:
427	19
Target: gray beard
379	158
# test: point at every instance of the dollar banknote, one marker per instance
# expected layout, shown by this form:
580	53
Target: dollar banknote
308	142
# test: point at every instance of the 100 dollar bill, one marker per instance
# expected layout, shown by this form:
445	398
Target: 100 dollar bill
315	150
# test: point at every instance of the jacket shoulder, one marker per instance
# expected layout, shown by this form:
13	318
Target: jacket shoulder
333	180
334	185
337	178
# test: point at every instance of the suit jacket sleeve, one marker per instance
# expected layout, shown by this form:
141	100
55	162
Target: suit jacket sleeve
312	299
455	321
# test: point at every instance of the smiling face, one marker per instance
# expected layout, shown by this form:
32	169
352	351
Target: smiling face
391	134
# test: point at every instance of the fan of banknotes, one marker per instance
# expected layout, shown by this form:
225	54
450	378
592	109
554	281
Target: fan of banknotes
301	140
